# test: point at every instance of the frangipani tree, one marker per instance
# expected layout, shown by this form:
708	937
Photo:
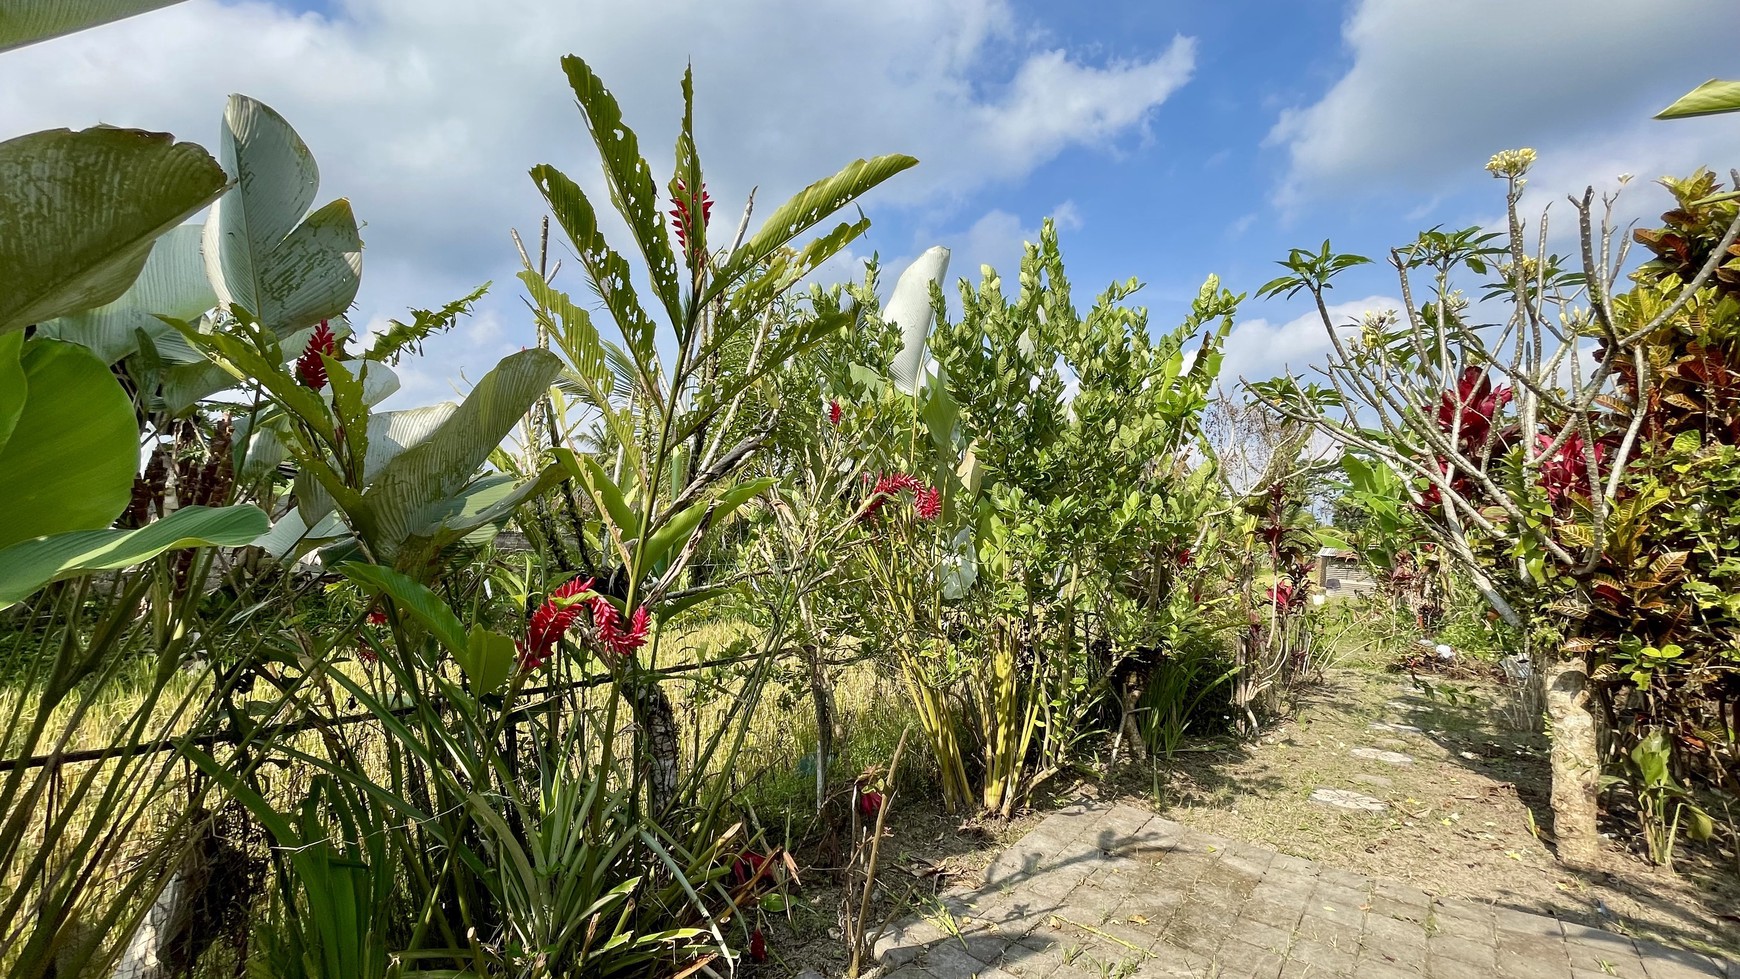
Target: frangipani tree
1515	437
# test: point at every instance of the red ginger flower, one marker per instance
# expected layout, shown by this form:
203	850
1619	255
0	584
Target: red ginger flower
869	803
757	946
310	370
1474	404
748	866
680	213
550	622
834	412
1184	557
607	623
927	503
890	486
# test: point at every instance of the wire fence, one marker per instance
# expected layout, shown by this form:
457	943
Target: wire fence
523	712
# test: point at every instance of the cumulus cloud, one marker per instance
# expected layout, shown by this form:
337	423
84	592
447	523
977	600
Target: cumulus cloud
999	238
1257	349
1434	89
428	113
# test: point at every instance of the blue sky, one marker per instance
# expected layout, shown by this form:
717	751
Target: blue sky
1171	139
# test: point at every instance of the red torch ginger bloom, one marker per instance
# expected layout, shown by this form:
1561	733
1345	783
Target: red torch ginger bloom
377	616
869	804
551	622
310	370
886	488
1184	557
680	213
927	503
757	946
834	413
614	639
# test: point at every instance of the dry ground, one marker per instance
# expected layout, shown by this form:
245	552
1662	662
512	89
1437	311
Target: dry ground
1461	819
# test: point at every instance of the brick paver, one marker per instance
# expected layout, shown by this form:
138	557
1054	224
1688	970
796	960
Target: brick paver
1111	892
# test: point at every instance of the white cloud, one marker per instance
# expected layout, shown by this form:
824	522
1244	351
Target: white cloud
1257	350
999	239
428	113
1435	88
1054	101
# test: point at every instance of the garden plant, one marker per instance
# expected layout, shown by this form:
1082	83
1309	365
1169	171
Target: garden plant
619	662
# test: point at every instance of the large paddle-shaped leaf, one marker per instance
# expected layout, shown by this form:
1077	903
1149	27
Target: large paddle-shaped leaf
28	566
79	211
909	308
28	21
172	284
260	253
1712	97
411	492
68	461
804	211
631	181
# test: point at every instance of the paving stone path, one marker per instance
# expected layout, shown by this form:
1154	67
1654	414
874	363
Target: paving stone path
1387	757
1101	891
1346	799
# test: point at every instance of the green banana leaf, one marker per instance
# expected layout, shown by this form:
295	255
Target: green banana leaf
409	494
69	459
1713	97
172	284
28	566
260	252
25	22
81	210
909	309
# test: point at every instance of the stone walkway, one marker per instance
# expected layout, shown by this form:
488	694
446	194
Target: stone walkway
1101	892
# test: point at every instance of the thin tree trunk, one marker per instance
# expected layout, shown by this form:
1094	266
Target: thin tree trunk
1576	759
824	702
656	733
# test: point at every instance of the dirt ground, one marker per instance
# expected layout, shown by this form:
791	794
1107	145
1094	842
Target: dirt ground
1460	821
1462	818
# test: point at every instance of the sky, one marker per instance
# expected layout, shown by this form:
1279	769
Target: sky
1170	140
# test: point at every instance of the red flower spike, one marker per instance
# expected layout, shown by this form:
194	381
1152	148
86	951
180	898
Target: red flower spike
377	616
834	413
551	622
886	488
869	804
748	866
612	637
927	503
1184	557
680	213
757	946
310	370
